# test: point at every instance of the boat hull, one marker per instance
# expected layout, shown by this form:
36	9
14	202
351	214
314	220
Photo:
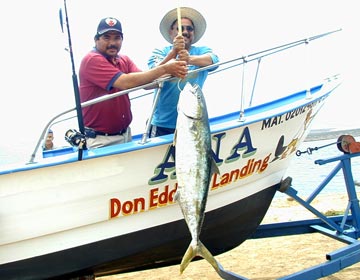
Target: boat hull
223	230
114	211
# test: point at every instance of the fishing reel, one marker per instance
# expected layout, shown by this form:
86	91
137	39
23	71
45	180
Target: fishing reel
75	138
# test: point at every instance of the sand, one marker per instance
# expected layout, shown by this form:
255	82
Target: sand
267	258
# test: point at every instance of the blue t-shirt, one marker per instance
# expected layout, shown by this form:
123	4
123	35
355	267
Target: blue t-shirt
165	114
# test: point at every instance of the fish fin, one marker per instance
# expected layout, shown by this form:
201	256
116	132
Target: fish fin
205	253
187	258
214	167
202	251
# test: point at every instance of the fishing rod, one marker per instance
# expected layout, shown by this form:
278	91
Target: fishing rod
158	82
74	79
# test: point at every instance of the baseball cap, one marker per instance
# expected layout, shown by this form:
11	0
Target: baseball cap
109	24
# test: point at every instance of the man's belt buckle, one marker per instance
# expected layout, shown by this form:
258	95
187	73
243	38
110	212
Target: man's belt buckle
91	133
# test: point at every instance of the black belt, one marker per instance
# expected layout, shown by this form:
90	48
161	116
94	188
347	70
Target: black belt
91	133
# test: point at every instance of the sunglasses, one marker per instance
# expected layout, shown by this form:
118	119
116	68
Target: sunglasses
187	27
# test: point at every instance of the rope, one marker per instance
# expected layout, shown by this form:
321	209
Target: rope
310	150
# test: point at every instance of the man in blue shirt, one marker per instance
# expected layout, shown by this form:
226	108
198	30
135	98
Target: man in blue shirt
193	26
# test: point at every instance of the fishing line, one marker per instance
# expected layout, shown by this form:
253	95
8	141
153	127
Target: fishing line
178	85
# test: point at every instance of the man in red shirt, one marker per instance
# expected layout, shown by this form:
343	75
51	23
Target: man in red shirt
104	71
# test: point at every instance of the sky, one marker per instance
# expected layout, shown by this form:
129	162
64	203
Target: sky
37	70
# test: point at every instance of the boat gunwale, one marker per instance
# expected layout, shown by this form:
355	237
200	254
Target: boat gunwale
218	123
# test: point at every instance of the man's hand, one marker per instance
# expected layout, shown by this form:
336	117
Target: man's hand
178	44
184	55
176	68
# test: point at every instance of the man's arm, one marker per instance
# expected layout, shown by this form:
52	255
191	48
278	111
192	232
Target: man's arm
130	80
197	60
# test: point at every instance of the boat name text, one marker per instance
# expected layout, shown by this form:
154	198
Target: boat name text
163	196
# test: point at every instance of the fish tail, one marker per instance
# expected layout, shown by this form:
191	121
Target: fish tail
205	253
199	250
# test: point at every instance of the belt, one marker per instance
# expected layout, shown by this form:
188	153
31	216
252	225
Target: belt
91	133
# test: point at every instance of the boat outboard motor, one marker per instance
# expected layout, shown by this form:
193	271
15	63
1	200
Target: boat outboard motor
75	138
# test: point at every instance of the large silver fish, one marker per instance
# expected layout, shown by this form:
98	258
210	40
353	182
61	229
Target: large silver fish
194	168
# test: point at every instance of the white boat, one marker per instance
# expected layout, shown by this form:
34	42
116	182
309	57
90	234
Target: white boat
110	210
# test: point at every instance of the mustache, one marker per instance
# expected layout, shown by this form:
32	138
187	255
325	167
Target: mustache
112	47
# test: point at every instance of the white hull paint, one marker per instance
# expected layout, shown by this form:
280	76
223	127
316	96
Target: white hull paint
62	203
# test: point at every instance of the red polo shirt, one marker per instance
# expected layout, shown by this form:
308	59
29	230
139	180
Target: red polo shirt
97	75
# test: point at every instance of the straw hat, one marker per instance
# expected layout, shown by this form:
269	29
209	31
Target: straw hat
197	19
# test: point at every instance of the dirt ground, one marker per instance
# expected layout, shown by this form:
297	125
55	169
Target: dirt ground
267	258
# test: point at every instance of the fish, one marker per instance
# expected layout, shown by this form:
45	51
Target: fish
194	166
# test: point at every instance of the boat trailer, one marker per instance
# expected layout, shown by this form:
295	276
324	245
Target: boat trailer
344	228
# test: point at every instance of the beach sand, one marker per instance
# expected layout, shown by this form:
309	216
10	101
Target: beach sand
267	258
